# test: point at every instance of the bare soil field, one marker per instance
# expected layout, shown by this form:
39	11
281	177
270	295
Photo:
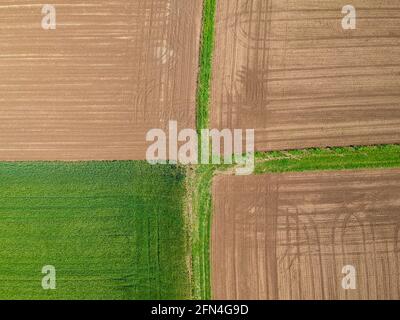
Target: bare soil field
93	87
289	70
288	236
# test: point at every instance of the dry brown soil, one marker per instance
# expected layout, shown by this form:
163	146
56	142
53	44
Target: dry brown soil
287	69
92	88
288	236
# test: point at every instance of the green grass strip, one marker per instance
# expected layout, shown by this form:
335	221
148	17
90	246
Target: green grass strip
382	156
205	64
200	184
202	206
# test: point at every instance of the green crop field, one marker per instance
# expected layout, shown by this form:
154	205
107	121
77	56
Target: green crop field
112	230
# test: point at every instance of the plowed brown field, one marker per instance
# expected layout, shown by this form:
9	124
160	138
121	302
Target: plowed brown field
289	236
287	69
93	87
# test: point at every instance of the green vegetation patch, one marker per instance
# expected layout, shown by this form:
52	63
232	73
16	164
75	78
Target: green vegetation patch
201	230
200	178
200	193
112	230
205	67
383	156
